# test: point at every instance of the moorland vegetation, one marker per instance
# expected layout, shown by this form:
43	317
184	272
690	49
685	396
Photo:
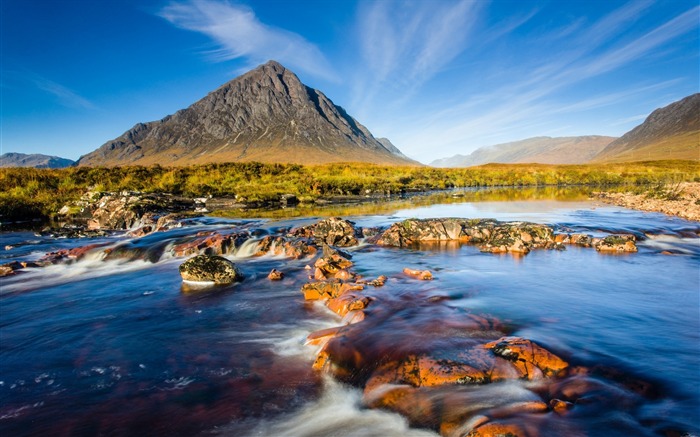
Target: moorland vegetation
28	193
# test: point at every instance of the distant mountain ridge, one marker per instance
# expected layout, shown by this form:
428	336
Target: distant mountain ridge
671	132
543	150
265	115
33	160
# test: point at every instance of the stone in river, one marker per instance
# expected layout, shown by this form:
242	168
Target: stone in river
616	243
275	275
421	274
530	359
207	268
334	231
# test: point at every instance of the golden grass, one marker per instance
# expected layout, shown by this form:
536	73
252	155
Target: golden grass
26	193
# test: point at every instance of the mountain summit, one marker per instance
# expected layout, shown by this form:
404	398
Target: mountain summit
265	115
671	132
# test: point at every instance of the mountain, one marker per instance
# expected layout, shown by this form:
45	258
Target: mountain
543	150
671	132
34	160
388	145
265	115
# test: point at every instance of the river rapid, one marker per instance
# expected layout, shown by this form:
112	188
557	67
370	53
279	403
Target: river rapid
123	347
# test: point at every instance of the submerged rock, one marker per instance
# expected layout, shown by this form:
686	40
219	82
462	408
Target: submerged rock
207	268
420	274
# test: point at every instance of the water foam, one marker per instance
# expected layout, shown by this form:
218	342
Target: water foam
337	412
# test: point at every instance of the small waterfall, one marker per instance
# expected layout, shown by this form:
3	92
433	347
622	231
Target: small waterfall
247	249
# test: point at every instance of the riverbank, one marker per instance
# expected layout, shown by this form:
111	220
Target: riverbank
681	200
27	194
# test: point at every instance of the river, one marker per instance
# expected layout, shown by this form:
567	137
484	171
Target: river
122	347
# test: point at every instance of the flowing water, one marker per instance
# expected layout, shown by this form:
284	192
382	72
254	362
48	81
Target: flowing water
123	347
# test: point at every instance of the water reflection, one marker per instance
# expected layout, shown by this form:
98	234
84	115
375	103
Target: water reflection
391	205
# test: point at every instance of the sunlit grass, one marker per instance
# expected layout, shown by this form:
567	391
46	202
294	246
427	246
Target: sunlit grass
27	193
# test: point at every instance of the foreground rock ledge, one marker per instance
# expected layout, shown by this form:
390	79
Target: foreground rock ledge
207	268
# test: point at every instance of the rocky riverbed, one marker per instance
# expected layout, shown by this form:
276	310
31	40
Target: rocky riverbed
682	200
460	326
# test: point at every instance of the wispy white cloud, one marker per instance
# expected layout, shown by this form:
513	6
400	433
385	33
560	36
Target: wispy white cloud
238	33
627	120
64	95
406	43
542	89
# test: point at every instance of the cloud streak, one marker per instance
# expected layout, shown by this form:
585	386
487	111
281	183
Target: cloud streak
65	96
238	33
404	44
544	88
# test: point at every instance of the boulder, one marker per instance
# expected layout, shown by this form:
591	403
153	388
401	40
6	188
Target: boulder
616	243
530	359
207	268
333	231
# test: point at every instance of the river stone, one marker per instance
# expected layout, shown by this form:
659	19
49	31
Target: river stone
207	268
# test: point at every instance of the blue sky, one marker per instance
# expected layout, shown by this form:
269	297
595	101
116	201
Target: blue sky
436	77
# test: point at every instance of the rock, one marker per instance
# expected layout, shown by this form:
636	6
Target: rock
275	275
281	246
324	290
75	253
616	243
379	282
10	268
420	274
209	244
412	231
333	263
491	236
288	200
499	429
531	360
333	231
347	302
126	210
560	407
207	268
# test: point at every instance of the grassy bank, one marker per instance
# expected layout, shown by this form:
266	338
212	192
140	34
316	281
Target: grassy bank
27	193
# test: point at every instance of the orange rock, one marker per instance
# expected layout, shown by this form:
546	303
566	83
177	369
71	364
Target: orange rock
321	336
434	372
275	275
323	290
530	359
421	274
346	302
319	275
379	282
497	429
560	407
562	238
339	358
207	242
353	316
344	275
418	406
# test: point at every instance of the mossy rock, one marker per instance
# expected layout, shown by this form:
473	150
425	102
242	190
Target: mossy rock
208	268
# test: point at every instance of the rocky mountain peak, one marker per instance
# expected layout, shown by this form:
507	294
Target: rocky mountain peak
266	114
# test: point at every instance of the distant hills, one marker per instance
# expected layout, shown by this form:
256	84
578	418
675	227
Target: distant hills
671	132
544	150
33	160
265	115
